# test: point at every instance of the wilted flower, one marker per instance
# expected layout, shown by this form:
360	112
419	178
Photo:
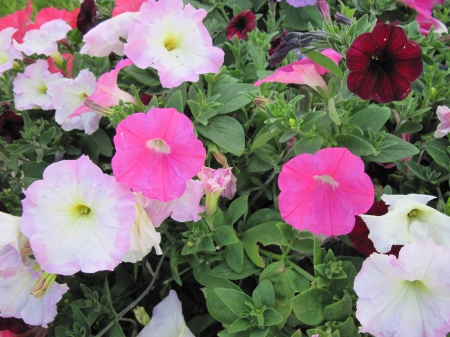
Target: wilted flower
241	25
383	64
86	18
10	126
215	183
443	114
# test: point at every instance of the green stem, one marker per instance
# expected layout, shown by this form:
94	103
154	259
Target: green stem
224	14
263	187
180	273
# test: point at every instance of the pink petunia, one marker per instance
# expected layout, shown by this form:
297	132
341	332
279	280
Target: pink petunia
443	114
426	22
19	20
51	13
157	153
124	6
323	192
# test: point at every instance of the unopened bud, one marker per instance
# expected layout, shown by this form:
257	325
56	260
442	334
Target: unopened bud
141	315
98	108
261	101
324	10
432	93
43	285
220	157
342	19
58	59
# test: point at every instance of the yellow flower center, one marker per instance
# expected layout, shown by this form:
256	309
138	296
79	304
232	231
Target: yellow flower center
82	209
158	145
171	42
327	179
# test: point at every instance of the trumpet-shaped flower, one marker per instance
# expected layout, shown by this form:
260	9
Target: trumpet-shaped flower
167	319
157	153
30	88
69	94
8	53
21	20
107	93
443	114
323	192
17	300
176	42
408	220
78	218
241	25
408	296
426	22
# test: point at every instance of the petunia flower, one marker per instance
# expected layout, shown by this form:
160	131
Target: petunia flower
54	69
408	220
323	192
241	25
13	325
383	64
8	53
44	39
9	241
423	7
176	43
185	208
21	20
68	94
124	6
19	303
48	14
167	319
426	22
30	88
408	296
10	126
443	114
301	3
215	183
86	18
107	93
157	153
106	37
78	218
304	71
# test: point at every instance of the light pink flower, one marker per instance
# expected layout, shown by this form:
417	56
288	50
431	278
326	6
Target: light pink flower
157	153
8	53
185	208
443	114
10	241
19	303
105	38
323	192
301	3
78	218
425	22
21	20
124	6
215	183
30	88
44	39
107	93
303	72
408	296
175	42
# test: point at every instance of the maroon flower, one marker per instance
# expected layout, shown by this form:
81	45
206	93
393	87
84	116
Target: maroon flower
241	25
359	236
277	42
10	125
14	325
86	19
383	64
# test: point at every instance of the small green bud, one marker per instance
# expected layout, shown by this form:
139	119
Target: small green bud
141	315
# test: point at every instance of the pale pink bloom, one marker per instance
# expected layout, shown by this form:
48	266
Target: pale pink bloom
304	71
167	320
19	303
301	3
443	114
157	153
185	208
10	241
231	188
78	218
143	234
30	88
425	22
44	39
19	20
68	94
215	183
104	38
175	42
323	192
408	220
408	296
107	93
123	6
8	53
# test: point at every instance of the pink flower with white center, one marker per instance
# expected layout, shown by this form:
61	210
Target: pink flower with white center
408	296
68	94
185	208
176	43
19	303
124	6
143	234
107	93
303	72
21	20
105	38
30	88
7	51
443	114
44	39
323	192
78	218
425	23
157	153
215	183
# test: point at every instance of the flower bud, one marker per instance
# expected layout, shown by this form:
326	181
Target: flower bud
43	285
324	10
141	315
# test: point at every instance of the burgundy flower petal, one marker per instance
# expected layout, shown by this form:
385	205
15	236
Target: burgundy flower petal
357	60
381	35
401	87
10	126
384	89
361	83
241	25
86	18
397	41
409	69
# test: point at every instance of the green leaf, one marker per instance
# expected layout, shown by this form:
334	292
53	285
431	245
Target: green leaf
234	256
148	76
240	324
272	317
224	236
79	317
337	287
230	97
409	127
201	272
332	113
261	216
200	323
223	270
266	293
340	310
355	145
226	132
103	142
323	61
308	306
176	101
237	208
372	118
308	145
48	135
347	328
298	18
398	150
32	169
216	307
263	136
235	300
116	331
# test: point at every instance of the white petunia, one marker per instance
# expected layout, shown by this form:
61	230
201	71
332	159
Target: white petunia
8	53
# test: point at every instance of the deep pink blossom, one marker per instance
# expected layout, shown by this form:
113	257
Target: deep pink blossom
21	20
426	22
157	153
123	6
241	25
51	13
323	192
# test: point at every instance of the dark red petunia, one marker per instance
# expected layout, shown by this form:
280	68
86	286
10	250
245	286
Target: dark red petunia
241	25
383	64
14	325
277	42
10	125
359	236
86	18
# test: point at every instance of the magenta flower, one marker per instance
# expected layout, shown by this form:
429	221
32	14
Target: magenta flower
323	192
383	64
157	153
241	25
